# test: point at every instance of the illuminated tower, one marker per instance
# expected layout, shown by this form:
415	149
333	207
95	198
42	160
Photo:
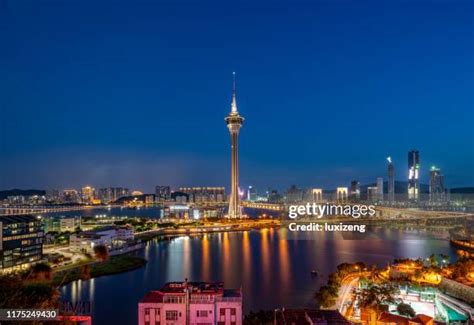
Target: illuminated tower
234	122
413	175
391	180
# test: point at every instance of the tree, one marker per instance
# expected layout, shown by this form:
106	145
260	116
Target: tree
259	318
101	252
374	296
406	310
17	293
326	296
40	272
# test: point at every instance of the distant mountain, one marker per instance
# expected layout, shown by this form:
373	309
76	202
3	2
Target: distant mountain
6	193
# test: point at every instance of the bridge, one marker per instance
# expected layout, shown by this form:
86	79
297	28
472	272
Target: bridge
19	210
263	205
382	212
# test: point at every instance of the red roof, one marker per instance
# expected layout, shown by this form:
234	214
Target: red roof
153	296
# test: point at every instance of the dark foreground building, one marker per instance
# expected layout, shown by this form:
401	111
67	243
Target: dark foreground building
21	242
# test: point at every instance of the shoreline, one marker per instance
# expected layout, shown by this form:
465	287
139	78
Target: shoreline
114	265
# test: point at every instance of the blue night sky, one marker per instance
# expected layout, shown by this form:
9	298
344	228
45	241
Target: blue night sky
135	93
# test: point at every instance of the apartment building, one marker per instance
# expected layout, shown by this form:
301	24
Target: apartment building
193	303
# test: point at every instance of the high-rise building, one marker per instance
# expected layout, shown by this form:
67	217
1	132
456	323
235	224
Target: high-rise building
87	194
112	194
70	196
413	175
204	194
191	303
53	196
372	193
21	242
316	194
437	190
341	194
391	180
163	193
274	196
234	121
294	194
355	190
251	194
380	188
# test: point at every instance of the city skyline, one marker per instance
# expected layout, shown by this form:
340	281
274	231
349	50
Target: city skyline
151	113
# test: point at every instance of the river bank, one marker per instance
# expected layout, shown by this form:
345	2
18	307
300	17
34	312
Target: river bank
114	265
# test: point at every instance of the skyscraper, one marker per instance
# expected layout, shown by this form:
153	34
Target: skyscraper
413	175
391	180
355	190
234	122
163	193
437	191
380	188
251	194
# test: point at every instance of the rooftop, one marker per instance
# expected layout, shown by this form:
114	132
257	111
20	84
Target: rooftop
194	288
17	219
386	317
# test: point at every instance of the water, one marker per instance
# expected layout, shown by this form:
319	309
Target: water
145	212
271	265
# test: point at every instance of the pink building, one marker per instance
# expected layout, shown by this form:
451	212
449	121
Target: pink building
191	303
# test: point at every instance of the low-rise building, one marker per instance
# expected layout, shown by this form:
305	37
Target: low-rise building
69	223
203	303
111	236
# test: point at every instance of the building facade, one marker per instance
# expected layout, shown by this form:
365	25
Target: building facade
112	237
204	194
21	242
379	188
355	190
193	303
413	175
342	194
391	180
163	193
437	190
251	194
112	194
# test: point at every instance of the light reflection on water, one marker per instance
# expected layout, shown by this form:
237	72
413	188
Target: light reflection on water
272	267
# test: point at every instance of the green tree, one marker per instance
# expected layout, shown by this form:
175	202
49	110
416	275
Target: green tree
40	272
374	296
327	295
406	310
17	293
101	252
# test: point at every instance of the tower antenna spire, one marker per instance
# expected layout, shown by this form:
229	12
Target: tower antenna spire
234	95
